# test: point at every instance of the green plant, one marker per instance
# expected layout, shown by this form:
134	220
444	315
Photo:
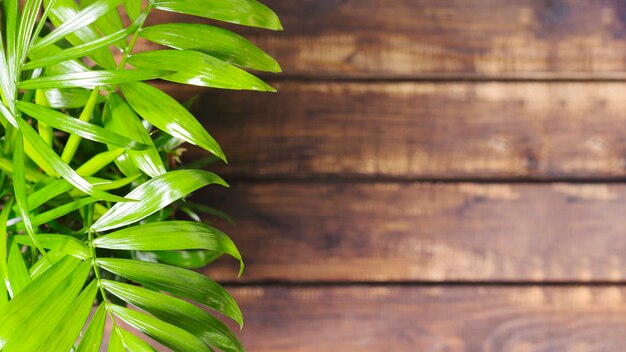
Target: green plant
89	205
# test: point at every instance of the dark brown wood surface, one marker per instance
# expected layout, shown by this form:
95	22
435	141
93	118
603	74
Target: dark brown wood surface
434	318
531	130
408	232
446	38
432	176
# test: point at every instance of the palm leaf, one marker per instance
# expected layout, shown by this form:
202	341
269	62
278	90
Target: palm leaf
80	130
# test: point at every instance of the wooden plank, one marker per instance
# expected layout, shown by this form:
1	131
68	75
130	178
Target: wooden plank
420	130
451	319
428	39
381	232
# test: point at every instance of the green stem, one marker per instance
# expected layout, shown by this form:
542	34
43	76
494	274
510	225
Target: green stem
96	269
129	48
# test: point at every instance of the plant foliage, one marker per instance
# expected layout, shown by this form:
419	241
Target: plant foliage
88	173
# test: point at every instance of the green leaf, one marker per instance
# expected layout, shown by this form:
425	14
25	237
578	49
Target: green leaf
66	244
115	341
26	27
34	330
82	50
31	174
47	192
19	277
120	118
98	162
44	264
43	150
95	330
196	68
170	235
64	11
74	140
169	335
190	259
167	114
45	131
79	20
90	79
155	194
72	125
217	42
4	270
57	212
179	282
244	12
178	312
19	187
108	23
65	334
69	98
33	304
133	8
132	342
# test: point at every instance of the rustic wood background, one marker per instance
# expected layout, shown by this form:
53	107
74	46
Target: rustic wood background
432	176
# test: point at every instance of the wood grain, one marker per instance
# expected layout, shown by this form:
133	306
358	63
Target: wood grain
382	232
420	130
438	39
439	318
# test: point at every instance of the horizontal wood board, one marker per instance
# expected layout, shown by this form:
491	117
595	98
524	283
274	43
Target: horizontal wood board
424	232
410	130
491	39
438	318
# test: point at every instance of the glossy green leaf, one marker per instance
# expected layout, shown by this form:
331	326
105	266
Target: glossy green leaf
26	27
133	8
68	98
115	341
4	270
65	333
91	79
63	11
66	244
167	114
19	188
39	325
154	195
82	50
108	23
57	212
43	292
69	66
92	339
18	274
190	259
45	131
69	124
47	192
81	19
44	264
169	335
217	42
74	139
180	282
61	167
120	118
31	174
196	68
98	162
244	12
169	235
134	343
178	312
